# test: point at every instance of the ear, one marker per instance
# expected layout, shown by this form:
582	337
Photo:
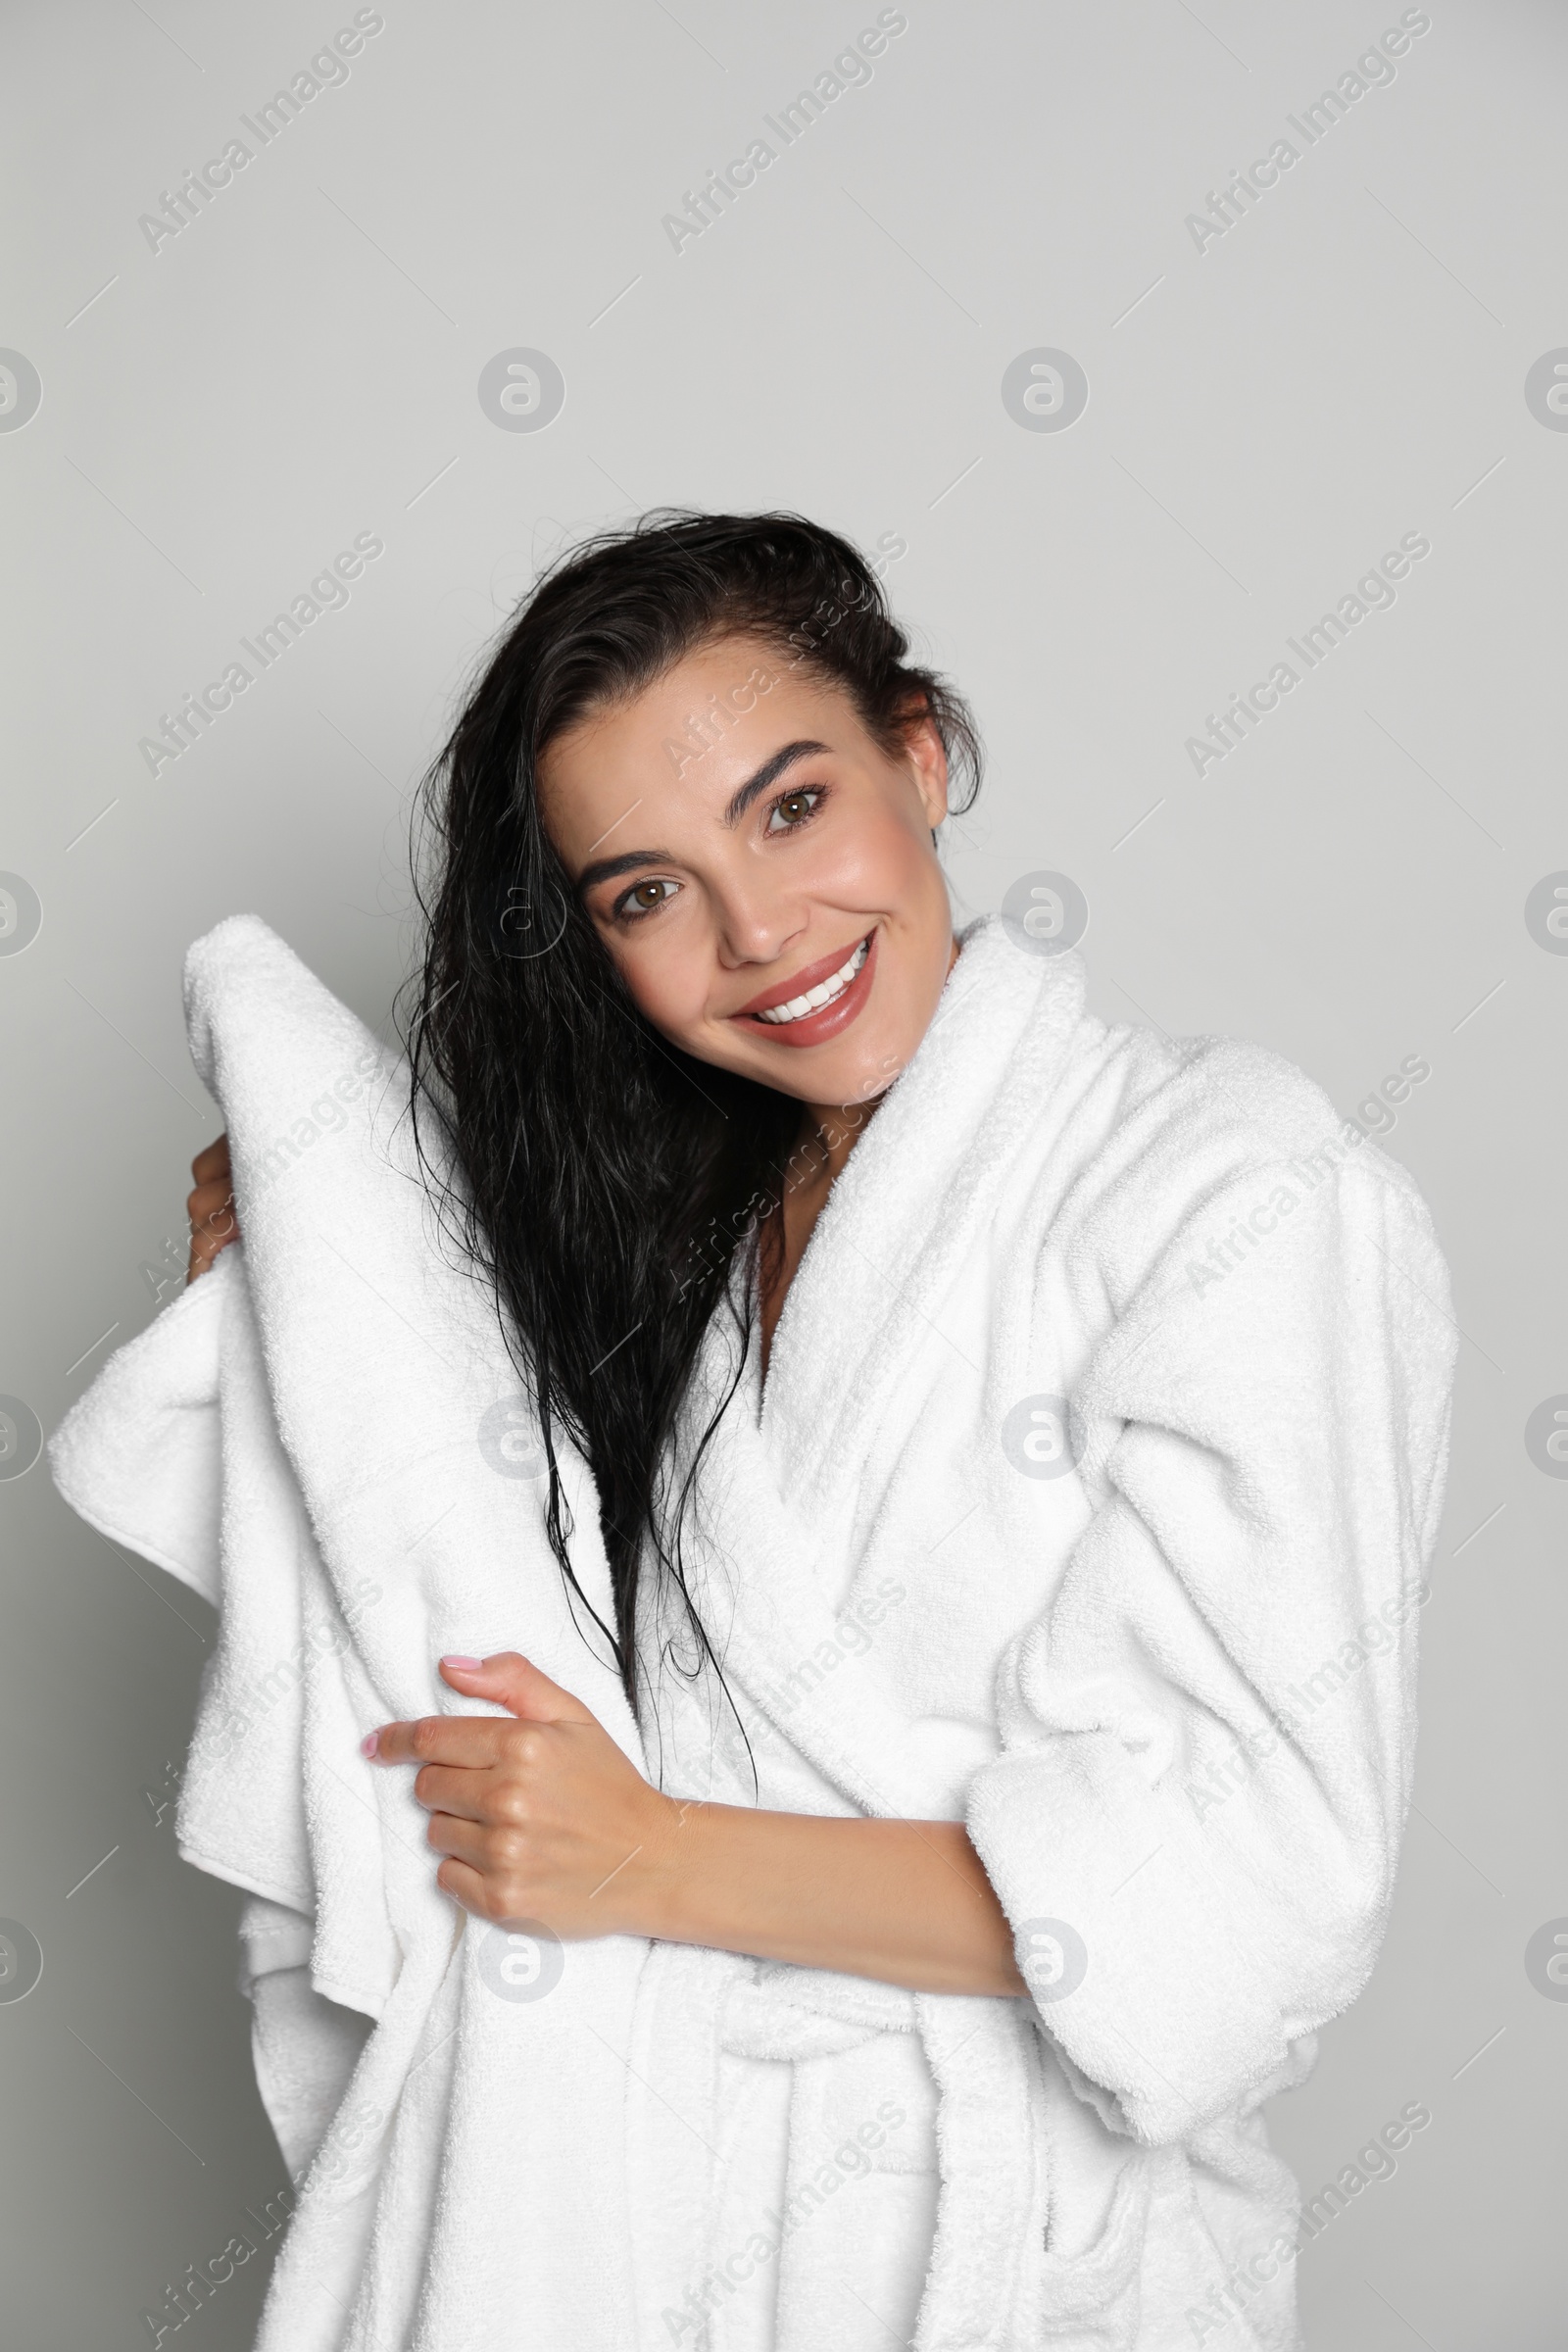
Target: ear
928	764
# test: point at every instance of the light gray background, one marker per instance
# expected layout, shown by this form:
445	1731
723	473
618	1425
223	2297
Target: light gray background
1265	418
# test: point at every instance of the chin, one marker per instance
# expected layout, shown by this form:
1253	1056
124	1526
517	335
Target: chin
852	1076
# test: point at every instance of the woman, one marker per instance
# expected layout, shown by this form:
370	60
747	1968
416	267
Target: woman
1076	1400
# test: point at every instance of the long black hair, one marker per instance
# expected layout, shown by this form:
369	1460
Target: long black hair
599	1178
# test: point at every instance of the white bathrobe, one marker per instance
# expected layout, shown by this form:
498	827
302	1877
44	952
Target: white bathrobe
1088	1499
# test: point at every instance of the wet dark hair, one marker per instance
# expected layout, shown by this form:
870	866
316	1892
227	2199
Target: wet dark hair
598	1177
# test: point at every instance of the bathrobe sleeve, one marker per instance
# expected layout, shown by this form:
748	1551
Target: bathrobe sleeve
1207	1735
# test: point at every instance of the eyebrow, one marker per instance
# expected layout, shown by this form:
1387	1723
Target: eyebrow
608	869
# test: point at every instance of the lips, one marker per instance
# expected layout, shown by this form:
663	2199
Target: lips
786	1014
817	997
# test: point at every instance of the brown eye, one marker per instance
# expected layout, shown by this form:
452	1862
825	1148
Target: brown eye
643	897
793	811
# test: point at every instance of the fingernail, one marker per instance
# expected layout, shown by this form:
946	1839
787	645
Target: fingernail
464	1665
369	1744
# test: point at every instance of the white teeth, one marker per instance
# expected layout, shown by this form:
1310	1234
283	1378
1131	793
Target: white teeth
815	998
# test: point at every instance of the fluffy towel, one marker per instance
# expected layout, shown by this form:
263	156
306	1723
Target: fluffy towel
1088	1499
322	1436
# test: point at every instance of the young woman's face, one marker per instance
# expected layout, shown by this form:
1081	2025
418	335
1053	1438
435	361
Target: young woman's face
769	886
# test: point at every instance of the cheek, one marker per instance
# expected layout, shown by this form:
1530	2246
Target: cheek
881	862
901	875
667	979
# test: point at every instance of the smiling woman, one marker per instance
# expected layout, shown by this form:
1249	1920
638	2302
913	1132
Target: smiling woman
615	1099
843	1262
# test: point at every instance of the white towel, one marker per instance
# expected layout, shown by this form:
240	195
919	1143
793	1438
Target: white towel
304	1436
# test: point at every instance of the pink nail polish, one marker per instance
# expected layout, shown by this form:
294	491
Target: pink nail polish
369	1744
464	1665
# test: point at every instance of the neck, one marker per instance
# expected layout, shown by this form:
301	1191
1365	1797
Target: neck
830	1131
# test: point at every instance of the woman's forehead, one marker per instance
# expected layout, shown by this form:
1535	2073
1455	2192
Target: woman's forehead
687	741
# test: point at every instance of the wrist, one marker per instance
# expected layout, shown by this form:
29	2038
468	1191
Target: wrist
668	1862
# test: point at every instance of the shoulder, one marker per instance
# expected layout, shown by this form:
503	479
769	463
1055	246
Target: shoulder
1171	1129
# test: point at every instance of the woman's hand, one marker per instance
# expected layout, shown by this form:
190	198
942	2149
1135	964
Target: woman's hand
542	1818
211	1207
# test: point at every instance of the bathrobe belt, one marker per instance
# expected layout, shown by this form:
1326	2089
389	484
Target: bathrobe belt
993	2196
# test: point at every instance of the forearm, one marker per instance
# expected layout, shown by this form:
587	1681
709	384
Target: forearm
907	1902
545	1817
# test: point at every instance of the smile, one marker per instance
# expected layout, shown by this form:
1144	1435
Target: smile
819	1002
798	1007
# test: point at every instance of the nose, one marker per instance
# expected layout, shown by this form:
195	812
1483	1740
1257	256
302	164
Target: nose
756	919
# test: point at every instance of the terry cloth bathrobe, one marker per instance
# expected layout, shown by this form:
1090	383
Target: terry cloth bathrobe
1088	1499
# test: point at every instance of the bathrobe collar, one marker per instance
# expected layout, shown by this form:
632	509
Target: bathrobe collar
910	1201
914	1193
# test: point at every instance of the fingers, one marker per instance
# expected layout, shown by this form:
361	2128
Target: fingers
484	1878
471	1796
515	1682
209	1165
208	1199
473	1741
464	1885
464	1841
207	1241
211	1207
